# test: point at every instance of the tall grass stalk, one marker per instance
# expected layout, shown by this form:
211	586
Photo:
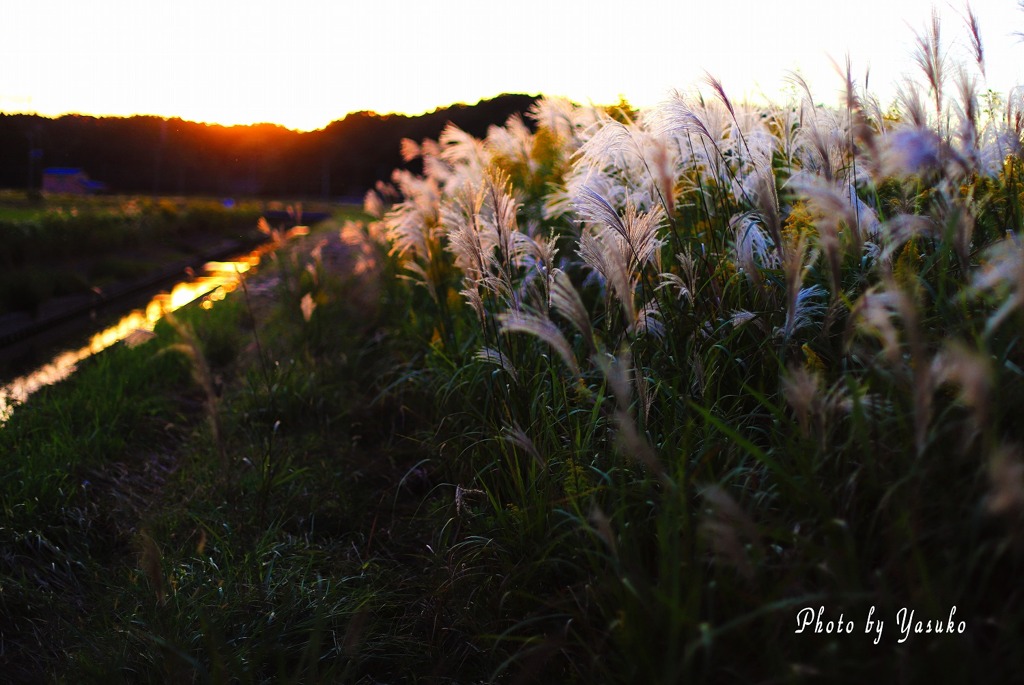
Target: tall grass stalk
777	371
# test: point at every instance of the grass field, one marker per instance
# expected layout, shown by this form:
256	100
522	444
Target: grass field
101	467
703	393
68	245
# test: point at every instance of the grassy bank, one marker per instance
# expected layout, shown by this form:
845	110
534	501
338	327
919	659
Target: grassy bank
210	505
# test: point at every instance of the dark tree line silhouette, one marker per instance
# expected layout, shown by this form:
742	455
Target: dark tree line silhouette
147	154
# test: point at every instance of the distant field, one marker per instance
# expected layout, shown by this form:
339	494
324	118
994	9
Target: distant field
65	245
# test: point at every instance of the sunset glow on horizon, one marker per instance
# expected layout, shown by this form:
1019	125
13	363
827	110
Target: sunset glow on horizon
243	63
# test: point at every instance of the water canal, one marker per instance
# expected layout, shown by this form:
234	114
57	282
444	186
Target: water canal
210	285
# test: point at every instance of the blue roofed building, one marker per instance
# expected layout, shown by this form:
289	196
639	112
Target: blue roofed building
70	181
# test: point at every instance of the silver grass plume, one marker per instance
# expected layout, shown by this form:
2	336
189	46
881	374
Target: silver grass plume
534	249
802	389
373	204
566	301
860	126
1003	276
607	259
471	241
618	371
434	166
977	47
561	118
767	199
873	313
971	372
461	148
677	115
648	321
683	119
967	109
794	268
819	139
592	207
928	55
475	301
409	149
901	229
542	328
832	206
908	95
410	224
719	90
806	308
603	528
513	141
911	151
515	435
639	230
502	208
1006	483
732	534
667	279
606	147
783	124
741	317
753	247
490	355
685	284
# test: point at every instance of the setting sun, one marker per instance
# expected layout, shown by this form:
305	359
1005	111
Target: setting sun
309	64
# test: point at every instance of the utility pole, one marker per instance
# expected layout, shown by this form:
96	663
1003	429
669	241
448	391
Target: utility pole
325	177
34	155
158	162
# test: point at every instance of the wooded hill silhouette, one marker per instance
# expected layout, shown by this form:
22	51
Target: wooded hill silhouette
148	154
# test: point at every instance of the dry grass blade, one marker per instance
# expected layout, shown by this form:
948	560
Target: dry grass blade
192	349
150	559
140	336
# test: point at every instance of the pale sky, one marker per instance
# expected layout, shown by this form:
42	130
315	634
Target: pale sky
304	63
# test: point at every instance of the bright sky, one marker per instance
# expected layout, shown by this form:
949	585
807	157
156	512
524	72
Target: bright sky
304	63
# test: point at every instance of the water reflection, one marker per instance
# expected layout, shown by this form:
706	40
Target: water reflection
216	281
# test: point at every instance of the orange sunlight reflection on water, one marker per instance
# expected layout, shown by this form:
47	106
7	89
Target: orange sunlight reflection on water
218	279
